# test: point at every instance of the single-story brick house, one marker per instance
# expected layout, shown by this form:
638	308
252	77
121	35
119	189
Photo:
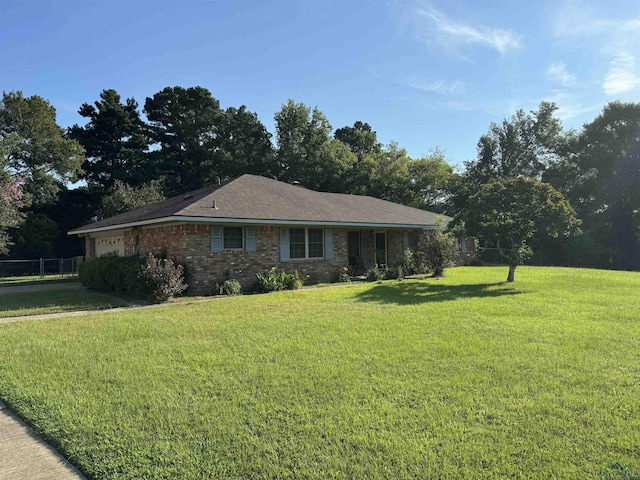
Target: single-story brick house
250	224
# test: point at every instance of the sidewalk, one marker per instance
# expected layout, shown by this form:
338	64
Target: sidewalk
7	289
25	456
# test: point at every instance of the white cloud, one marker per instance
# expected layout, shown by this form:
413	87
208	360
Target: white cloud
611	37
558	72
433	26
437	86
570	105
575	19
622	76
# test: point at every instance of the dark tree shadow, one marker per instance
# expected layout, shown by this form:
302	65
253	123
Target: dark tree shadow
411	293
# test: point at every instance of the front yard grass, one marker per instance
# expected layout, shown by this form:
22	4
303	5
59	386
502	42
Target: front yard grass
459	377
54	301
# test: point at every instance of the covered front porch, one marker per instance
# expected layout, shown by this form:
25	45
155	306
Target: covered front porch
384	248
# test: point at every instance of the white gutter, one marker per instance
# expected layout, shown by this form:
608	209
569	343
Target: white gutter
245	221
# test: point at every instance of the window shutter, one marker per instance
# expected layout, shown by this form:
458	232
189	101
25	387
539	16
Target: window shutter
328	244
216	239
405	241
284	244
463	245
250	239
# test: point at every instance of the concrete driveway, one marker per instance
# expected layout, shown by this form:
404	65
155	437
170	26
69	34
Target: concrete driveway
40	287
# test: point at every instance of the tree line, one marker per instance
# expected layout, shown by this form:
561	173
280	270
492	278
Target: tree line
181	140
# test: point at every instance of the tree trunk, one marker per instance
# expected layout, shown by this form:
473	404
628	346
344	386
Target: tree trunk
512	273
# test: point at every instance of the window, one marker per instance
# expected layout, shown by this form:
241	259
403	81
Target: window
306	243
315	243
297	243
232	238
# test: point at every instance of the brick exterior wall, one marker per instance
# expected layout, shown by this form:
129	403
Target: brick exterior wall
190	244
395	250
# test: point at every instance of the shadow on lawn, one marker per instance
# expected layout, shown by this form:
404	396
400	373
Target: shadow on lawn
410	293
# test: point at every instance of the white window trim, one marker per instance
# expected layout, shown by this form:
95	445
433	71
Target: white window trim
306	244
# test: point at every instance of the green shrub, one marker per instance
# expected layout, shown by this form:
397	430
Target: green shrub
374	274
342	276
394	273
228	287
411	263
111	273
436	250
162	279
273	281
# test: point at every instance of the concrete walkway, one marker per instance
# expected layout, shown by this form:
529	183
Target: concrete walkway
7	289
25	456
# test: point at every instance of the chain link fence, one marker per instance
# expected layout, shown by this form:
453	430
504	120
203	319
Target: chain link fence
40	267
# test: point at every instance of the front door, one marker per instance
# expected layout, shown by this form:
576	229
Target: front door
381	248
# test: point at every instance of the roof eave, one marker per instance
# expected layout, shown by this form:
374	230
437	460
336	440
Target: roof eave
252	221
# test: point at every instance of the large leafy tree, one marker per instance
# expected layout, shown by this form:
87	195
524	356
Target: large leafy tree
522	145
306	152
10	205
184	128
34	148
360	138
600	174
245	145
431	178
114	140
363	142
510	211
122	197
389	176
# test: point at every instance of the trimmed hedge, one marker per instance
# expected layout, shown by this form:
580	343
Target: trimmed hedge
111	273
150	278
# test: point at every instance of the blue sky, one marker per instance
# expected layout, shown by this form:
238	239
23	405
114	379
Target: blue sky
425	74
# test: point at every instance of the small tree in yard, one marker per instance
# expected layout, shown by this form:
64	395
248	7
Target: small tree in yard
510	211
436	250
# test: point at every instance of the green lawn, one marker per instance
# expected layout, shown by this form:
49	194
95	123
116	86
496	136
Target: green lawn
53	301
460	377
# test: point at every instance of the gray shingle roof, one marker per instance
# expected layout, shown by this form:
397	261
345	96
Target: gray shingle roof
263	200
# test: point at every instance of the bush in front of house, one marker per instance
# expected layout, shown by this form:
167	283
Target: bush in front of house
342	276
411	263
151	278
228	287
436	250
162	279
394	273
374	274
111	273
273	281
